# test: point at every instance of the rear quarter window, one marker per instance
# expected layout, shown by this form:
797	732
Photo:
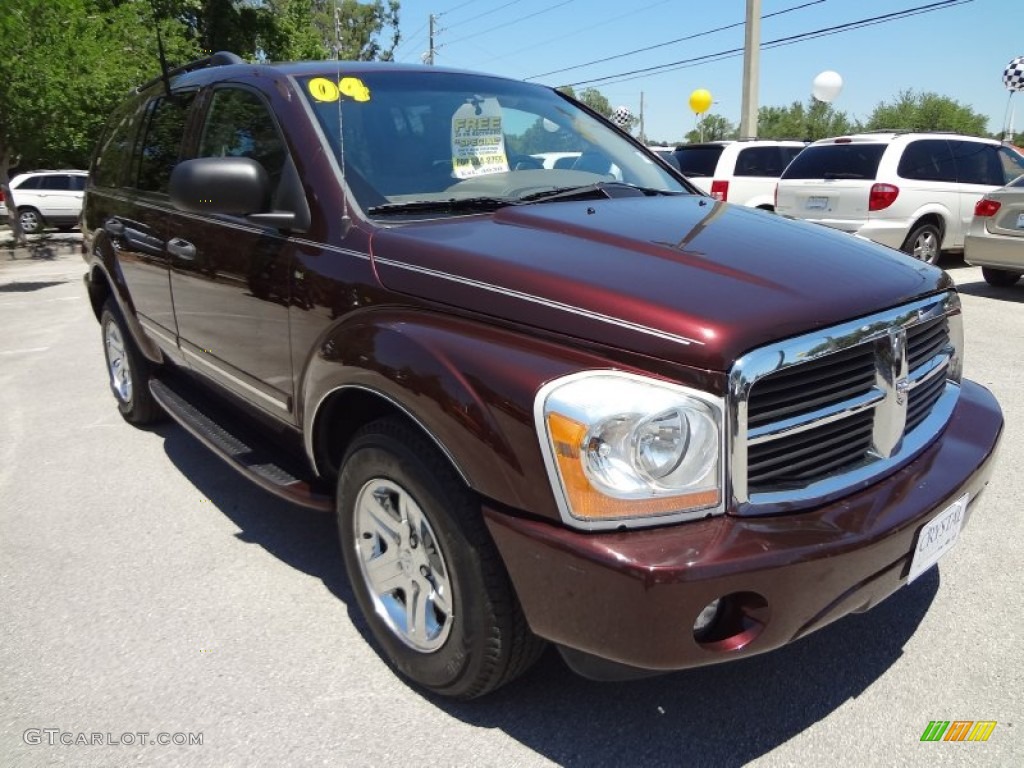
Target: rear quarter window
698	161
836	161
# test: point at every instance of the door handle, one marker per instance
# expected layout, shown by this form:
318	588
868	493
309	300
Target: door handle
183	249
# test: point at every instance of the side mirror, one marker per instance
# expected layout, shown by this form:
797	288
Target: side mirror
238	186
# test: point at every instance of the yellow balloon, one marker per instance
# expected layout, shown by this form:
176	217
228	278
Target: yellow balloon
700	100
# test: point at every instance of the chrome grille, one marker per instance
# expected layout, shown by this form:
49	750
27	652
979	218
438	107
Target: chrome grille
819	414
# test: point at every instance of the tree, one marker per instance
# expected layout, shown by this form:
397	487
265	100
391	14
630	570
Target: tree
711	127
927	111
817	120
598	102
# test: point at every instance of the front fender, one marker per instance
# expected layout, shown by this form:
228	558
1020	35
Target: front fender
468	385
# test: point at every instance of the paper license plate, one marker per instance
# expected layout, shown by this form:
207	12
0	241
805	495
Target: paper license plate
938	537
817	203
1020	221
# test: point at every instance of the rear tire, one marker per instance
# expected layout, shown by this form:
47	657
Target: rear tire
1000	278
129	371
423	568
924	244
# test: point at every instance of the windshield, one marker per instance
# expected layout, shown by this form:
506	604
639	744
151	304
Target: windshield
425	136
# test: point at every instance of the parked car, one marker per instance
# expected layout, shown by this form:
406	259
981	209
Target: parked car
995	240
911	191
665	153
743	172
654	429
45	199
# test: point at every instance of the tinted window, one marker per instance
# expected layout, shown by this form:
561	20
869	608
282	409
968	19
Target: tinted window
239	125
764	161
78	183
161	145
978	163
698	161
56	182
836	161
1013	165
33	182
115	149
927	160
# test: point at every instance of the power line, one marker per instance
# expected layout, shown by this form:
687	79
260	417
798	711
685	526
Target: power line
481	15
777	43
514	21
671	42
457	7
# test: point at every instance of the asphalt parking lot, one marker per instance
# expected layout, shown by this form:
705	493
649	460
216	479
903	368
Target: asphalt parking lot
146	589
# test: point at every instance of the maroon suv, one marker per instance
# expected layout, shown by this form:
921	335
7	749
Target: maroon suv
585	405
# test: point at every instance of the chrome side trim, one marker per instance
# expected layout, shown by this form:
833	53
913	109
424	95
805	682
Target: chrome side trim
153	330
311	416
282	404
539	300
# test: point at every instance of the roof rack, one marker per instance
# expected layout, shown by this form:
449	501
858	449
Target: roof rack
901	131
220	58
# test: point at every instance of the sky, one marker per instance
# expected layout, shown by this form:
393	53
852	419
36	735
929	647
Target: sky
959	51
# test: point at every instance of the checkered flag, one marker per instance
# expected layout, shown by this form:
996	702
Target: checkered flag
621	116
1013	75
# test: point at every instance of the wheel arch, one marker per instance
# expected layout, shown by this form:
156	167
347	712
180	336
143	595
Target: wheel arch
468	387
935	216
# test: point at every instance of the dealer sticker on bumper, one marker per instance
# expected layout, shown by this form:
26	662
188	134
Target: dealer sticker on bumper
938	537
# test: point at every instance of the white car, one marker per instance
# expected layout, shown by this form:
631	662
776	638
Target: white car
911	191
743	172
46	198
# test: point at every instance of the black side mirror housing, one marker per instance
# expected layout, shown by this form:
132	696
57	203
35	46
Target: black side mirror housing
236	186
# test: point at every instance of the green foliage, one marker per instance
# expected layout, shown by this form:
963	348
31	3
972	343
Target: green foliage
816	120
711	127
927	111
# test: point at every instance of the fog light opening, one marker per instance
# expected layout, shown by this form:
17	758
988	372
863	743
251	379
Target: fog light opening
731	622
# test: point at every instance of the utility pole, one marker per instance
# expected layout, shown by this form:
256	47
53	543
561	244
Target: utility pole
643	136
751	70
430	52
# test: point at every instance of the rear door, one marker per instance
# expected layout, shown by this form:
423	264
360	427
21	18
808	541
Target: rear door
831	183
929	166
57	201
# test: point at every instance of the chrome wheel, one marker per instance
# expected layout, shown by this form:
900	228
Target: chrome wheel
926	247
30	221
117	363
402	565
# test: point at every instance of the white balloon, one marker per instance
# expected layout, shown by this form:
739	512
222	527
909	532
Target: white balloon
826	86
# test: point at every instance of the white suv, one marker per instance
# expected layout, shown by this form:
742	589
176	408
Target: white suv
741	172
45	198
911	191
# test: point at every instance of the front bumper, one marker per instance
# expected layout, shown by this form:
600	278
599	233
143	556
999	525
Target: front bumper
631	598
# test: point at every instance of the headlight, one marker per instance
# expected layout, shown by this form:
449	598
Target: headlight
623	449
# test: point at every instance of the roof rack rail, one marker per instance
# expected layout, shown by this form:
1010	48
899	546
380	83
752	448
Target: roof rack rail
901	131
220	58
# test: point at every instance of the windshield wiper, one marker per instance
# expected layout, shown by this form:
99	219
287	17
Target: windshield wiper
455	205
600	188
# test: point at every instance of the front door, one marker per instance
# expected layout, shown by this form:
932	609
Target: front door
231	279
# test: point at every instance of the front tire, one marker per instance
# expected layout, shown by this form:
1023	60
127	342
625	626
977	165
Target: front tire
1000	278
924	244
31	221
423	567
128	370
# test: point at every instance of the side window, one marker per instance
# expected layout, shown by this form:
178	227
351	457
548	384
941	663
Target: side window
238	124
161	145
115	151
78	183
34	182
759	161
927	160
978	163
56	182
1013	164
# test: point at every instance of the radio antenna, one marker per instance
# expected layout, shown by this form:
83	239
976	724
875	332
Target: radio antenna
346	222
160	50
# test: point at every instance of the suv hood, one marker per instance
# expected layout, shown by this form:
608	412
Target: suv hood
679	278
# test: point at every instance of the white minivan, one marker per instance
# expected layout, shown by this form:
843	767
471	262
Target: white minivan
908	190
742	172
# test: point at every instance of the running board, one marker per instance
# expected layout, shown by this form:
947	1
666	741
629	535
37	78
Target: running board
256	463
